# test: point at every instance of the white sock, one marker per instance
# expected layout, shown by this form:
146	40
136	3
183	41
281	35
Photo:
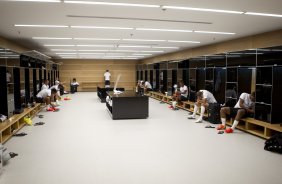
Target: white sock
195	110
202	112
235	123
223	121
173	104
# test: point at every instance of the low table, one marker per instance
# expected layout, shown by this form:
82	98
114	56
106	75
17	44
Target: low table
102	92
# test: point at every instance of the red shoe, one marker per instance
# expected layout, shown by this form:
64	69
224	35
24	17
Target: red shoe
221	127
50	109
229	130
170	107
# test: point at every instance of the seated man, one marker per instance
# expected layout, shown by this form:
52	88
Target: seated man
147	86
47	96
181	95
45	84
204	98
74	85
56	86
244	107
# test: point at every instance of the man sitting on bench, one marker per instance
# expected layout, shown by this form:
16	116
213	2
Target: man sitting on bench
204	98
181	95
47	96
243	108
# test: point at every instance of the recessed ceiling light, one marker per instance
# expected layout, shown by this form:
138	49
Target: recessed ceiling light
166	30
99	27
182	41
213	32
40	1
113	4
143	40
43	26
50	38
100	39
55	45
201	9
263	14
95	45
134	46
165	47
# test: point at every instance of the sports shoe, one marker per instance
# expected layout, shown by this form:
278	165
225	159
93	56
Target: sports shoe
170	106
50	109
220	127
200	120
229	130
191	117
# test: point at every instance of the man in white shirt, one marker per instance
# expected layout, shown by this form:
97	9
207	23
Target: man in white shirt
107	76
244	107
204	98
74	85
56	86
47	96
45	84
179	96
147	87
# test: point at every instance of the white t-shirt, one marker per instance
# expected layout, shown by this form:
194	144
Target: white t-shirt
107	76
55	87
182	89
44	86
247	101
148	85
75	84
44	93
8	76
209	96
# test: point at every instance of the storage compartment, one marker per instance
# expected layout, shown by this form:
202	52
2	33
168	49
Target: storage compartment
263	112
6	134
263	93
255	129
264	75
231	74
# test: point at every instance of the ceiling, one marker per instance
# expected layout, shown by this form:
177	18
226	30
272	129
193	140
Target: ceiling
152	42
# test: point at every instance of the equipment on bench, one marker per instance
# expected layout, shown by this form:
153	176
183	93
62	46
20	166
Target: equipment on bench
214	113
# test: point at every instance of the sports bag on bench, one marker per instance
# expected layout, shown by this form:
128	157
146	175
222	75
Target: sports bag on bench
214	113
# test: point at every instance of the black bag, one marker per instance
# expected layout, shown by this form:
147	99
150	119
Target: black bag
274	143
214	113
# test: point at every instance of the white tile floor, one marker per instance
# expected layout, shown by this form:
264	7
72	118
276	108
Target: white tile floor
82	144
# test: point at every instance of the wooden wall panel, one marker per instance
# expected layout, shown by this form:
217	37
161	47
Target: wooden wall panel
263	40
92	71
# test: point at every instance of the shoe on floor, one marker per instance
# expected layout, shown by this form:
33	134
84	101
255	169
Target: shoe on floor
200	120
12	154
220	127
50	109
170	106
191	117
229	130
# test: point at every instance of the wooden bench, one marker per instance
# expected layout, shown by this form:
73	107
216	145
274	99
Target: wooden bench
16	122
257	127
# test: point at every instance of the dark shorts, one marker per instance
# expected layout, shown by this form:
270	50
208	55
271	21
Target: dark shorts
233	112
183	98
39	100
107	82
149	89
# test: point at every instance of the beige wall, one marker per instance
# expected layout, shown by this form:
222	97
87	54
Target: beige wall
268	39
4	43
92	71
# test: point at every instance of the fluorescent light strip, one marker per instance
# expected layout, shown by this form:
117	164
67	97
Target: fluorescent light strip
90	53
124	51
165	47
93	50
142	54
98	27
54	45
113	4
40	1
64	50
134	46
44	26
263	14
202	9
165	30
143	40
95	45
153	51
50	38
70	53
99	39
212	32
182	41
